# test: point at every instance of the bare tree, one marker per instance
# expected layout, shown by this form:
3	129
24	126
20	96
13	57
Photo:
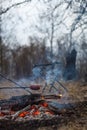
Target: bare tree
56	17
1	61
3	11
52	18
4	56
79	8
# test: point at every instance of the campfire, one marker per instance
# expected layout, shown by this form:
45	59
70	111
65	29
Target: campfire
37	111
34	109
39	107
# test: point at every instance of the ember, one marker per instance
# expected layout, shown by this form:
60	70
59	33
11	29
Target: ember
35	107
1	114
36	113
32	110
36	110
23	114
44	104
49	112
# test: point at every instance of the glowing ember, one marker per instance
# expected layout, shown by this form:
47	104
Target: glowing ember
33	111
49	112
44	104
23	114
33	107
1	114
36	113
60	95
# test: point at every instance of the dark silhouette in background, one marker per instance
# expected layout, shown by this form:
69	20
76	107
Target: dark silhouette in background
70	67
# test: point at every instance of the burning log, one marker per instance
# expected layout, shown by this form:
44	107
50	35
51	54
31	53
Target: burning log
14	116
28	122
24	109
52	96
30	110
19	102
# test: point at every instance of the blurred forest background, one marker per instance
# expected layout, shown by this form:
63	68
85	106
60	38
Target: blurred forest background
56	36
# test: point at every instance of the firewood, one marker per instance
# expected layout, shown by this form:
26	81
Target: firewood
52	96
14	116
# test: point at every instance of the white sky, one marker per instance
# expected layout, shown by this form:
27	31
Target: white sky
19	21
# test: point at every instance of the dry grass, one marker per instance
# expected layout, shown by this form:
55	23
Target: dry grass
77	91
